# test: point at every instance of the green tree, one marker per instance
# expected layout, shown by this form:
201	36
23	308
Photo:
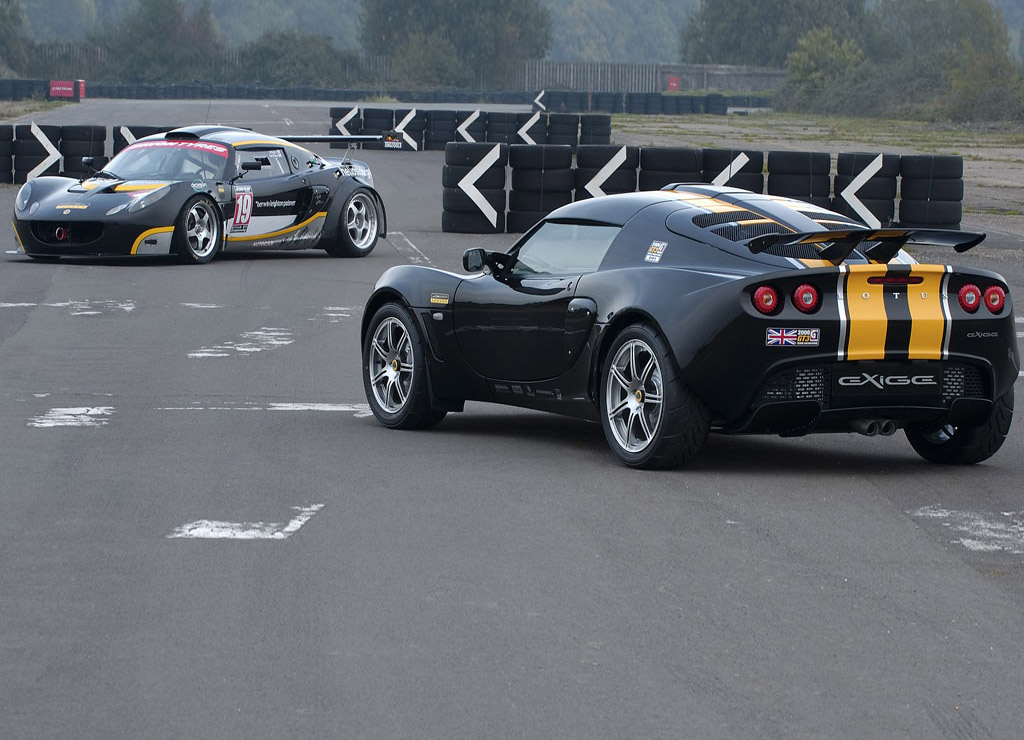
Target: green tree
60	20
292	57
12	34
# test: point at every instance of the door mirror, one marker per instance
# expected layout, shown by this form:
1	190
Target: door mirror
474	260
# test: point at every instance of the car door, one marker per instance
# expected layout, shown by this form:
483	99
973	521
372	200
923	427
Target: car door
272	201
512	325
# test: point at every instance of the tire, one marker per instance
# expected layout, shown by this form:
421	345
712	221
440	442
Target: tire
928	166
876	188
525	200
671	159
948	189
549	157
395	371
799	163
518	222
199	231
544	181
455	200
596	156
359	228
716	160
656	179
931	212
650	419
799	186
965	445
493	178
619	181
853	163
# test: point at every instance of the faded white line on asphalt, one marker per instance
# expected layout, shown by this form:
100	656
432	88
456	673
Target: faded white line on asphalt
201	305
359	410
77	416
251	342
980	532
409	250
207	529
334	314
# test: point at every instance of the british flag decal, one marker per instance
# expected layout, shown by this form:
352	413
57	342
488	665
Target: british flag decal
792	337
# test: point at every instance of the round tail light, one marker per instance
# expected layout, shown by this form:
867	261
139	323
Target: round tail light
995	299
970	298
766	300
806	298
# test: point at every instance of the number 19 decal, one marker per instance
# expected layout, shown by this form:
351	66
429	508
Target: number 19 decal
243	208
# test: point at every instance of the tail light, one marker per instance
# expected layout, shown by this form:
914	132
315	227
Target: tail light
806	298
970	298
766	300
995	299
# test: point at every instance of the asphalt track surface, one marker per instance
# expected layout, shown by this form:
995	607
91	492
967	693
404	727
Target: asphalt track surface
499	576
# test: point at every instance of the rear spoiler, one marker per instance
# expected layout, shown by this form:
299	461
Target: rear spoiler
391	139
879	245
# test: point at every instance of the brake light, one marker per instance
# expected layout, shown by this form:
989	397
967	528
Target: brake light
806	298
970	298
766	300
995	299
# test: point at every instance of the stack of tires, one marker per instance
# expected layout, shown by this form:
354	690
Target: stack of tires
78	142
715	103
564	128
608	102
542	180
801	175
345	121
532	125
30	152
661	166
592	159
461	214
412	123
595	128
375	122
501	127
6	153
877	194
472	124
931	191
440	129
715	162
125	135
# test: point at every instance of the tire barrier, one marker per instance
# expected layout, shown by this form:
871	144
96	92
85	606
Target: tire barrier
471	126
469	206
604	170
35	151
411	125
502	127
564	128
6	153
375	122
931	191
531	128
79	142
738	169
345	121
661	166
596	128
440	129
865	187
801	175
542	180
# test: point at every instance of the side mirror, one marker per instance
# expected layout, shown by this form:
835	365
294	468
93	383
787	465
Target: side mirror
257	165
474	260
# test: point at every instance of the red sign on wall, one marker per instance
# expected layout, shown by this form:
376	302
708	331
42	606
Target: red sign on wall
62	88
673	83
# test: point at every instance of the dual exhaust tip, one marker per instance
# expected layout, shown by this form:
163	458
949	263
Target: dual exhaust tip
874	427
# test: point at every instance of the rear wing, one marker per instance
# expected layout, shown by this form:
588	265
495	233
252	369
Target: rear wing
391	139
878	245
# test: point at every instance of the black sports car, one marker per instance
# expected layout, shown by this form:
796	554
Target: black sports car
199	190
667	314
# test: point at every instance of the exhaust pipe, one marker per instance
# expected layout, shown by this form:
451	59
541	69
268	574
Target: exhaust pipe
867	427
887	428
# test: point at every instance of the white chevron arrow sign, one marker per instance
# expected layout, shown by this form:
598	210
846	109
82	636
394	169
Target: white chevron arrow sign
52	154
468	184
463	130
849	193
523	132
400	128
594	186
127	134
537	100
340	125
734	167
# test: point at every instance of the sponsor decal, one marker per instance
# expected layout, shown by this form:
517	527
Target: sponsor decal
72	206
275	203
440	299
655	251
792	337
243	210
62	89
982	335
204	146
198	185
881	381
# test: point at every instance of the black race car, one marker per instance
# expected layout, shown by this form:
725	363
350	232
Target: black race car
199	190
667	314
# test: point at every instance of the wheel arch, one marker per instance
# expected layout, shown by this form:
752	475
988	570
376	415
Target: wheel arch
616	326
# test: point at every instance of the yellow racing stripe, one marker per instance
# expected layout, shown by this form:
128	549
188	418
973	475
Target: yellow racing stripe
866	306
150	232
928	327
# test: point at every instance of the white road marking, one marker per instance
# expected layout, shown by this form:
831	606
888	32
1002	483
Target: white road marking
78	416
409	250
201	305
207	529
252	342
81	307
359	410
335	314
978	533
17	305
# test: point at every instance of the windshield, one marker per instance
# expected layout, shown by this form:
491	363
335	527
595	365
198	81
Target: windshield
170	160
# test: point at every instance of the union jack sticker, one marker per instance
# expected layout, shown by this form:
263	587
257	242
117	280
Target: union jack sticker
792	338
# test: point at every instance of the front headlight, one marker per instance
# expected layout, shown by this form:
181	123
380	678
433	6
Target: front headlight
23	197
148	199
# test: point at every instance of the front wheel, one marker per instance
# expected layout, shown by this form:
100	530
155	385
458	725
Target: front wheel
965	445
359	228
395	371
650	419
198	231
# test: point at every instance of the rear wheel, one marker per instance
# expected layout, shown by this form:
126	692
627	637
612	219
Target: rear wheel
395	371
650	419
197	234
359	228
965	445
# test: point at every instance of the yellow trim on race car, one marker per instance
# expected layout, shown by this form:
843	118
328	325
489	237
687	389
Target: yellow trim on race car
126	188
18	237
868	323
150	232
927	313
280	232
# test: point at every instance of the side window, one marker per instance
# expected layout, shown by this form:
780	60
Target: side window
564	249
277	167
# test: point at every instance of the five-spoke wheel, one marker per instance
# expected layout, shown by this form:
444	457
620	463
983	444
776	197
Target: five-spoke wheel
359	228
197	233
